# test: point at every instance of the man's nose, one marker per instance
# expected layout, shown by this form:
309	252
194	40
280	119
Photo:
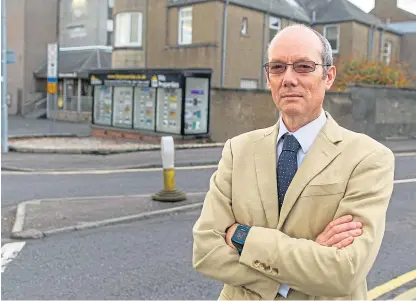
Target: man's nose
290	77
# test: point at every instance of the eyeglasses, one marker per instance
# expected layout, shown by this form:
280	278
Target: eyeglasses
299	67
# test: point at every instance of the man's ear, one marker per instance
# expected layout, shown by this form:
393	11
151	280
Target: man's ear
267	79
330	78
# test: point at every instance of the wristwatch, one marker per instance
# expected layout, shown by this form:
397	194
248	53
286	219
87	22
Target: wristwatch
239	237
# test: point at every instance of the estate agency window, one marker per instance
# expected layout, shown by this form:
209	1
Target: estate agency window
331	32
129	29
185	25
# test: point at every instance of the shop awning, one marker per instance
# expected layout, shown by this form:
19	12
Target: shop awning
77	63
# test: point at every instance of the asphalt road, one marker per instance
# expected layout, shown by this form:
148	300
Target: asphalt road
18	187
152	259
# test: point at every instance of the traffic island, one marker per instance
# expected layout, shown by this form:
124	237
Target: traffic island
39	218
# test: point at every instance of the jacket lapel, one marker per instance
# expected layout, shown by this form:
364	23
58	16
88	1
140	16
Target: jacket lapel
320	154
265	161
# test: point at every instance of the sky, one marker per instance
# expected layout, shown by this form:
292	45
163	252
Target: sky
367	5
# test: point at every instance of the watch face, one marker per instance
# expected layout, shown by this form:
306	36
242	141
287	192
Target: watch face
239	234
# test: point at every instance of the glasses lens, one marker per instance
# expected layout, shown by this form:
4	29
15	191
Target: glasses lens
304	67
277	68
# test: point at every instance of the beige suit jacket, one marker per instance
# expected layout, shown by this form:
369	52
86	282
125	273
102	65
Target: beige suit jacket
342	173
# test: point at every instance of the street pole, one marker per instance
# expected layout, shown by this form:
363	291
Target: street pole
4	122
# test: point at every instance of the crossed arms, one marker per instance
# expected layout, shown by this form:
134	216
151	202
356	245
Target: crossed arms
304	265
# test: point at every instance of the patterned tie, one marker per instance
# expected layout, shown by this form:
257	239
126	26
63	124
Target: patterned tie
287	165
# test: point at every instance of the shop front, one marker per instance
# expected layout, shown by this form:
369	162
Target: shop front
152	102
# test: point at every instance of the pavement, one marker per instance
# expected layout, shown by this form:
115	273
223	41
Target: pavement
38	218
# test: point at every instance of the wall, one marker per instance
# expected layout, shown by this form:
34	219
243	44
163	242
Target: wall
379	112
15	10
36	45
384	112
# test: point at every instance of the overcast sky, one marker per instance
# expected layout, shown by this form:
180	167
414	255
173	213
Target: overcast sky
367	5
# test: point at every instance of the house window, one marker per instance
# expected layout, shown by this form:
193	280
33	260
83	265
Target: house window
248	84
274	27
244	26
129	29
331	32
387	47
185	25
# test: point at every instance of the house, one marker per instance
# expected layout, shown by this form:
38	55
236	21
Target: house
352	32
231	37
403	22
84	29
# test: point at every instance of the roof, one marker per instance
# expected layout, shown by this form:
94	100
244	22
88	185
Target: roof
404	27
336	11
289	9
77	63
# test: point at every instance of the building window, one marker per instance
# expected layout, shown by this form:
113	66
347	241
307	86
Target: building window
185	25
129	29
248	84
274	27
331	32
387	47
244	26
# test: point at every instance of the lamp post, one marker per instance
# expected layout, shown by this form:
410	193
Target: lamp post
4	117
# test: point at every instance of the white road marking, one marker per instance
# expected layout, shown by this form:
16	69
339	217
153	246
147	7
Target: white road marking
9	252
404	181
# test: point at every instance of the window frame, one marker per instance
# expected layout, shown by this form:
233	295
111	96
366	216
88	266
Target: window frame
272	27
244	22
387	56
181	19
326	27
117	41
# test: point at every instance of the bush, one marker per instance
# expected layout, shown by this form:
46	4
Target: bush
363	71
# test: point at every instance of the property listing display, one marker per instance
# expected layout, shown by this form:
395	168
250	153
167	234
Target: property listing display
174	101
144	108
123	104
196	105
169	104
102	105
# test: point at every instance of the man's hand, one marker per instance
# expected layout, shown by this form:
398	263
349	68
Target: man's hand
229	235
340	232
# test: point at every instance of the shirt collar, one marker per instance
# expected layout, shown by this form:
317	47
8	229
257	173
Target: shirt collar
305	135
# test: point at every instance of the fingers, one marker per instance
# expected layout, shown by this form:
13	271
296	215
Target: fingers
338	238
339	226
345	242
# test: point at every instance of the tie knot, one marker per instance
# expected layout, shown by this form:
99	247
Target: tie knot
290	143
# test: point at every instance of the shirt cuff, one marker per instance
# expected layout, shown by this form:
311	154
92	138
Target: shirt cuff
284	290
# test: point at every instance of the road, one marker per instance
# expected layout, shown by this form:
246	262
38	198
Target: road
152	259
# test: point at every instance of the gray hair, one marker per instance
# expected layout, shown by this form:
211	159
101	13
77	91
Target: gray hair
326	54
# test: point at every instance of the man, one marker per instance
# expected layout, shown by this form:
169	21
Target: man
296	210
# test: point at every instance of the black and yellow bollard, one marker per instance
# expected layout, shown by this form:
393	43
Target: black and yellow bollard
169	193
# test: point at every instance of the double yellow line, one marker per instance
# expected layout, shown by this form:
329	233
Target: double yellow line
394	284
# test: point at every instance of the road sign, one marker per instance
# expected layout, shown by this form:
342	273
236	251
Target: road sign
10	57
52	68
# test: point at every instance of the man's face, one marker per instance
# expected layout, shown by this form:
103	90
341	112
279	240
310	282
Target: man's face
298	94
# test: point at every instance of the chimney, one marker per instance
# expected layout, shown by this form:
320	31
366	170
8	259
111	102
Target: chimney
385	3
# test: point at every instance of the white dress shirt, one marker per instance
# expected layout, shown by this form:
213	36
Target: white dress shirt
306	135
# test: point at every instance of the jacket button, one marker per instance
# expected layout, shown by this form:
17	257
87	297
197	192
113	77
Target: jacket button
269	269
256	263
